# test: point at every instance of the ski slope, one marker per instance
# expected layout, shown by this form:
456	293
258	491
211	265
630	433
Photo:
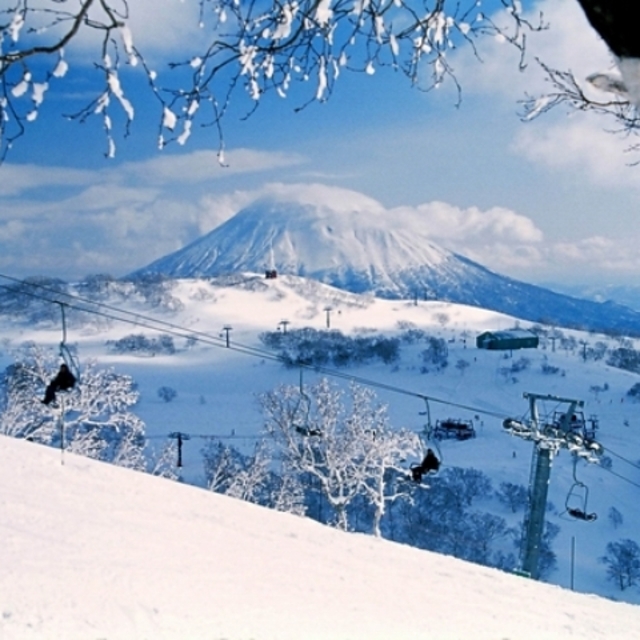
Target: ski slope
91	551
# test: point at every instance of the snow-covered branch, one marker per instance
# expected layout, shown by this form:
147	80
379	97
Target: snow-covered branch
247	47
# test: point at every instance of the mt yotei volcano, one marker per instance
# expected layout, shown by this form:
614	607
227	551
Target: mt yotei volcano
370	250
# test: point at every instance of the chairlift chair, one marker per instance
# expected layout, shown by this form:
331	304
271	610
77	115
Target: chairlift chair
577	499
66	355
433	459
303	407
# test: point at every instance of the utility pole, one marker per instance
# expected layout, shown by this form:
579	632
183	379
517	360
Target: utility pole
584	344
328	310
180	437
283	324
61	425
226	330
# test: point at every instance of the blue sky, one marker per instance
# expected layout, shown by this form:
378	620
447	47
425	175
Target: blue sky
550	200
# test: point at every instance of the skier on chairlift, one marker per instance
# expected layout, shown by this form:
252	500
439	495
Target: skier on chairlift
63	381
430	463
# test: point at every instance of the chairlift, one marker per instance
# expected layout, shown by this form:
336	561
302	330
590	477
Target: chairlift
303	407
68	374
577	499
431	462
66	355
517	427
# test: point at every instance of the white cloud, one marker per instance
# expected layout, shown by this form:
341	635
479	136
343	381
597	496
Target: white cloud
605	253
580	145
158	28
18	178
161	170
201	166
447	222
52	219
111	227
336	198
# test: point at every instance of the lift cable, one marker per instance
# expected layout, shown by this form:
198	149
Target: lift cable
147	322
617	455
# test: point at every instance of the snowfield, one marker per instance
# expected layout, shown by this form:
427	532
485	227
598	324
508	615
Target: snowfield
92	551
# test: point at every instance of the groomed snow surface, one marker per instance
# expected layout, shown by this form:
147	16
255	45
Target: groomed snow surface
91	551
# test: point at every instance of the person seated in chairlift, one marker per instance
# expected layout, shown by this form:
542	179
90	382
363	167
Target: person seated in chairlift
581	515
63	381
430	463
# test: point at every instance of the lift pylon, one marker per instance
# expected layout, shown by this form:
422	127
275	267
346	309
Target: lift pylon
547	443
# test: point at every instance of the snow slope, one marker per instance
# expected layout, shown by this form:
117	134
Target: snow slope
92	551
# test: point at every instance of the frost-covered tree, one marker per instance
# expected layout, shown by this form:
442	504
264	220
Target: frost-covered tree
465	485
386	451
515	496
244	48
615	517
163	460
434	521
343	446
435	355
251	477
93	419
622	560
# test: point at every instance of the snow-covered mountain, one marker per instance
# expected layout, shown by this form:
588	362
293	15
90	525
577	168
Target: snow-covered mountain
364	249
625	294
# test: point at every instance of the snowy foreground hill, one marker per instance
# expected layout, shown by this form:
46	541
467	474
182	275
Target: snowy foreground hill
91	551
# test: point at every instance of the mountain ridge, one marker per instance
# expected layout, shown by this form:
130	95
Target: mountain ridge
368	251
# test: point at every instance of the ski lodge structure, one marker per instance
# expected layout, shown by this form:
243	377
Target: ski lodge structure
507	340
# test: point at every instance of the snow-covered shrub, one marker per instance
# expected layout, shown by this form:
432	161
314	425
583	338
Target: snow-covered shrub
167	393
462	365
625	358
17	301
141	344
549	369
435	356
156	291
634	392
311	347
519	365
514	496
